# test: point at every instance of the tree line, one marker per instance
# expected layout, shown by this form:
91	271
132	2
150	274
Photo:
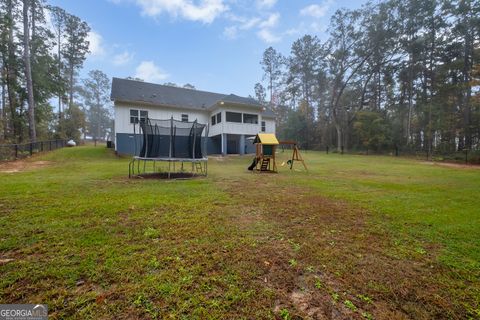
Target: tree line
391	75
42	50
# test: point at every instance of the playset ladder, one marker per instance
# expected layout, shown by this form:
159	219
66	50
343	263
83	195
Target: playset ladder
265	164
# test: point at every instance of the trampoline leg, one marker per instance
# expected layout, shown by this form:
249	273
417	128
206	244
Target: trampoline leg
144	165
131	168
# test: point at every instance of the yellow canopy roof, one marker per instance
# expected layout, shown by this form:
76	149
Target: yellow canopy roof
266	138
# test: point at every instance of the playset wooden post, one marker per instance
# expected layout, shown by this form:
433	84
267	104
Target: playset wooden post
296	156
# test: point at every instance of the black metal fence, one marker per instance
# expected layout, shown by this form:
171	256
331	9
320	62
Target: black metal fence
23	150
466	156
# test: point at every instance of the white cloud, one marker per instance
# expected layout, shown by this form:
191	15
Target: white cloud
122	58
95	43
268	36
263	27
272	21
250	23
317	10
266	4
205	11
150	72
231	32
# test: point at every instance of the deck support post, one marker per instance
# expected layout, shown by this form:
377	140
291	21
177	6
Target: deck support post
242	145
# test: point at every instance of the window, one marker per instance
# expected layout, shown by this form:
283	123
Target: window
263	126
133	116
250	118
143	115
234	117
216	118
184	117
136	114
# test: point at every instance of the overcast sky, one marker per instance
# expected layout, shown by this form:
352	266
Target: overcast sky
216	45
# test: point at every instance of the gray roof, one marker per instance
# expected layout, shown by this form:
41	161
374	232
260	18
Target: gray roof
151	93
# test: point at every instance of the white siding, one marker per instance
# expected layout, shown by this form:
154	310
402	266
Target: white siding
269	125
241	128
216	129
123	125
122	115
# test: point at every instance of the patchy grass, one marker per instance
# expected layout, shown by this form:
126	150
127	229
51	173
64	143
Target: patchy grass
360	237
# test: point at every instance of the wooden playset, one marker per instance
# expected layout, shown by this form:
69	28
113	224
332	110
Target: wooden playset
265	149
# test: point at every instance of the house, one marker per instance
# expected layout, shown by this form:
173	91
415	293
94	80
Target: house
232	119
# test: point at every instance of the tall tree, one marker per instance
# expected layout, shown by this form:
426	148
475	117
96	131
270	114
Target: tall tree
11	68
307	54
3	101
59	17
260	93
75	49
465	35
272	62
96	95
28	71
346	59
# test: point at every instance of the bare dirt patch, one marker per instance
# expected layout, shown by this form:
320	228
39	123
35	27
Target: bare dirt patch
453	165
325	260
22	165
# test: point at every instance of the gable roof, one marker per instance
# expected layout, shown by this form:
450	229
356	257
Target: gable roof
151	93
266	138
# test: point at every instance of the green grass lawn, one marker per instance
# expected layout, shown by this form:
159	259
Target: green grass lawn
362	237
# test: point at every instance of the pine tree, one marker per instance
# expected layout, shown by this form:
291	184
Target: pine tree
28	71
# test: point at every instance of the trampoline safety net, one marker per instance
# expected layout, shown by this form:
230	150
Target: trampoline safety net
171	139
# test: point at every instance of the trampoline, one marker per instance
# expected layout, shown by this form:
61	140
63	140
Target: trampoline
180	146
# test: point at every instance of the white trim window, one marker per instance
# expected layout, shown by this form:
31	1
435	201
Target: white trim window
216	118
250	118
234	117
264	126
136	114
